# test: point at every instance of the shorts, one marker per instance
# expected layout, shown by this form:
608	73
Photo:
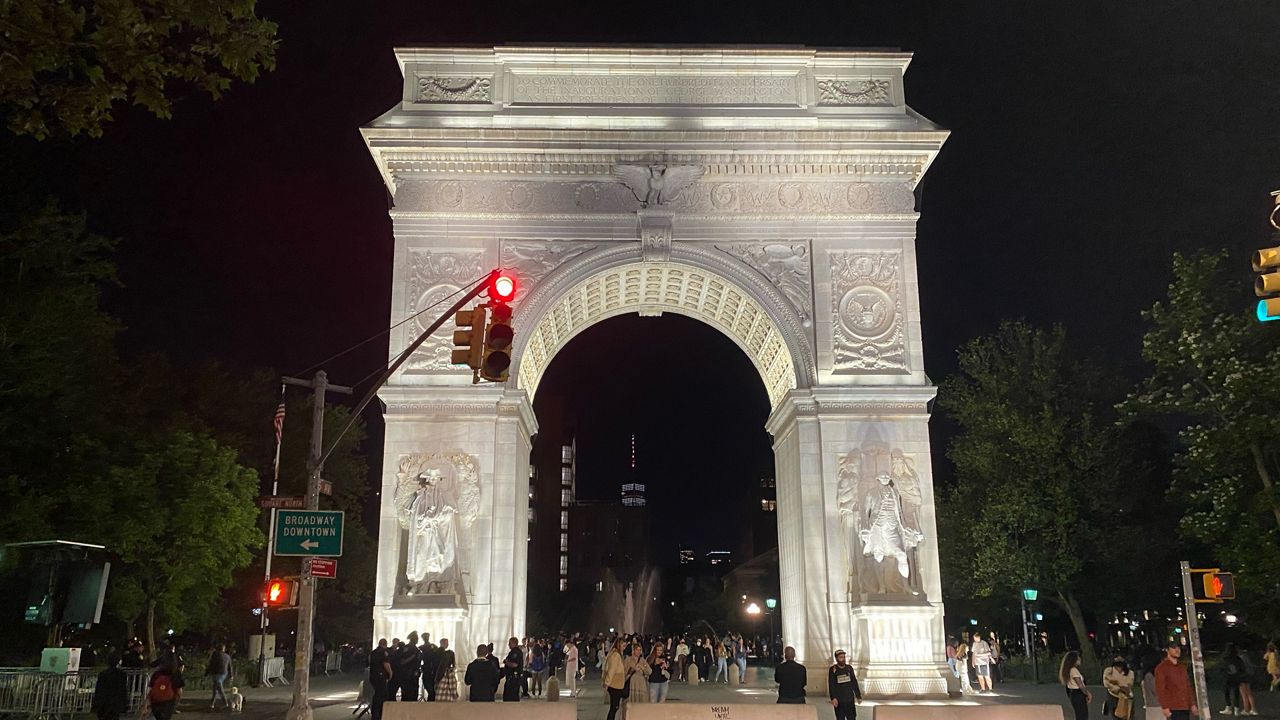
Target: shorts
983	669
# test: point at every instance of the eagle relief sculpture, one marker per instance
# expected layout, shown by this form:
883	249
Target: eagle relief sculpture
437	499
656	184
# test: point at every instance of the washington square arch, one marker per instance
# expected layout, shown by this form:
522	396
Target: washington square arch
765	192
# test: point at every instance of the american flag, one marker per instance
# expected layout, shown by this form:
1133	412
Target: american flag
278	422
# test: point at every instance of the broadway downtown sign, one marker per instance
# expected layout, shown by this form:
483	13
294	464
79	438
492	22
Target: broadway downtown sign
309	533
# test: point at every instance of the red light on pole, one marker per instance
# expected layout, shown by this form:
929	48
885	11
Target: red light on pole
503	288
275	592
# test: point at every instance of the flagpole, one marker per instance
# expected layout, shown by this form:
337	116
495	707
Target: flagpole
278	422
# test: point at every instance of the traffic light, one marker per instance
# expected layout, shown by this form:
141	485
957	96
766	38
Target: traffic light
1267	285
469	337
497	344
1219	586
496	358
282	593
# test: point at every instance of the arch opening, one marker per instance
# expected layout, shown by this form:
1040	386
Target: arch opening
652	288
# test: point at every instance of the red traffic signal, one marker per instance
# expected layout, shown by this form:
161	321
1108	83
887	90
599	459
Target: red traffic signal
1219	586
503	289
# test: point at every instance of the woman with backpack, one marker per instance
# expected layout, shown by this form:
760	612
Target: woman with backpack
163	692
538	666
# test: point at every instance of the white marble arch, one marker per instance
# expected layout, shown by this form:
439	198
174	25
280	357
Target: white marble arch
786	220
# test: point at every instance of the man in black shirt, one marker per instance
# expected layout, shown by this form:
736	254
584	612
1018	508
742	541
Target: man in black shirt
842	686
380	675
409	668
791	678
481	677
430	660
513	670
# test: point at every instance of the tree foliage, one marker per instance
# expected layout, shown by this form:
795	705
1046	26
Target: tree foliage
65	65
1049	492
1213	371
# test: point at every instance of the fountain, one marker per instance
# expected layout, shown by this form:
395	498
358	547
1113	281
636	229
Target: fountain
629	606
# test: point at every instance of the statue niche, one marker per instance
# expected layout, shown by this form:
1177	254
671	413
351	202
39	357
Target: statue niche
437	500
878	496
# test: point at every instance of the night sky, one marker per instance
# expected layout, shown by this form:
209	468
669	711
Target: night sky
1088	142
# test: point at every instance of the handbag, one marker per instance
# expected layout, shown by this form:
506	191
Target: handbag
1124	706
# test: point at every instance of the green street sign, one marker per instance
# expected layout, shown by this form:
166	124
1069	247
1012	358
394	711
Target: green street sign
315	533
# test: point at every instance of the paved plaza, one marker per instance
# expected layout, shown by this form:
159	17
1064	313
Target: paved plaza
334	698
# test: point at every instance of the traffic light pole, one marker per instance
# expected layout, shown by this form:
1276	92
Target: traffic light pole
1193	638
301	707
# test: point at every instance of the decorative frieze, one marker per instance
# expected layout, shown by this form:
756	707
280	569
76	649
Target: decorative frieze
869	92
441	89
868	322
619	88
433	276
786	198
532	260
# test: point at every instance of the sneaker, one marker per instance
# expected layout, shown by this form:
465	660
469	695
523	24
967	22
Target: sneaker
1228	711
1250	712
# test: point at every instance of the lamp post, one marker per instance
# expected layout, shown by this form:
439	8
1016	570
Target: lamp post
772	604
1029	595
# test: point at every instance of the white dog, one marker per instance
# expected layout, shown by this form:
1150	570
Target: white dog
235	700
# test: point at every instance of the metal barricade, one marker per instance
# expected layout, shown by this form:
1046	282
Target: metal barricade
30	693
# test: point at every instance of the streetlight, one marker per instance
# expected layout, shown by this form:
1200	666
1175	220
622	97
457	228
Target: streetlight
1029	595
772	604
753	609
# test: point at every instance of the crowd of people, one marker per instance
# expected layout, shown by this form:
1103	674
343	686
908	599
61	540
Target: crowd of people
631	669
1164	683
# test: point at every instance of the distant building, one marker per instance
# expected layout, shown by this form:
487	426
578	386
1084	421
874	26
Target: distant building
552	490
720	559
687	557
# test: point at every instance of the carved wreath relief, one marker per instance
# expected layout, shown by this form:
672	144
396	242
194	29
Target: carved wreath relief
433	276
436	89
869	326
853	92
878	496
437	500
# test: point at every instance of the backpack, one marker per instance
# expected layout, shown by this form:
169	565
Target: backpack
538	663
161	689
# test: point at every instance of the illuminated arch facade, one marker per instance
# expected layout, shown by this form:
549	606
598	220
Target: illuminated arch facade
767	193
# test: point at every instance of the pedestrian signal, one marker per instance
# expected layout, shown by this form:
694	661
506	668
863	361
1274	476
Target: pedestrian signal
282	593
497	343
469	337
1219	586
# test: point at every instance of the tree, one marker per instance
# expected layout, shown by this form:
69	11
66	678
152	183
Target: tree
1213	370
1045	479
185	522
67	64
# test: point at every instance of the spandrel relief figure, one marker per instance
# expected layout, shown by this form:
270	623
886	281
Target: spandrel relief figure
437	499
847	503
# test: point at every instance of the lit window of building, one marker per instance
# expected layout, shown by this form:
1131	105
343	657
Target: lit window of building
686	556
564	519
564	584
600	586
564	543
633	495
719	557
769	505
564	565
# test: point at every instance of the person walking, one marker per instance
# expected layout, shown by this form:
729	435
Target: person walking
445	679
740	657
1232	668
659	674
791	678
1073	680
613	677
1173	687
722	656
682	662
1117	680
217	669
1150	703
380	674
1272	658
981	651
481	677
842	687
111	691
164	690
